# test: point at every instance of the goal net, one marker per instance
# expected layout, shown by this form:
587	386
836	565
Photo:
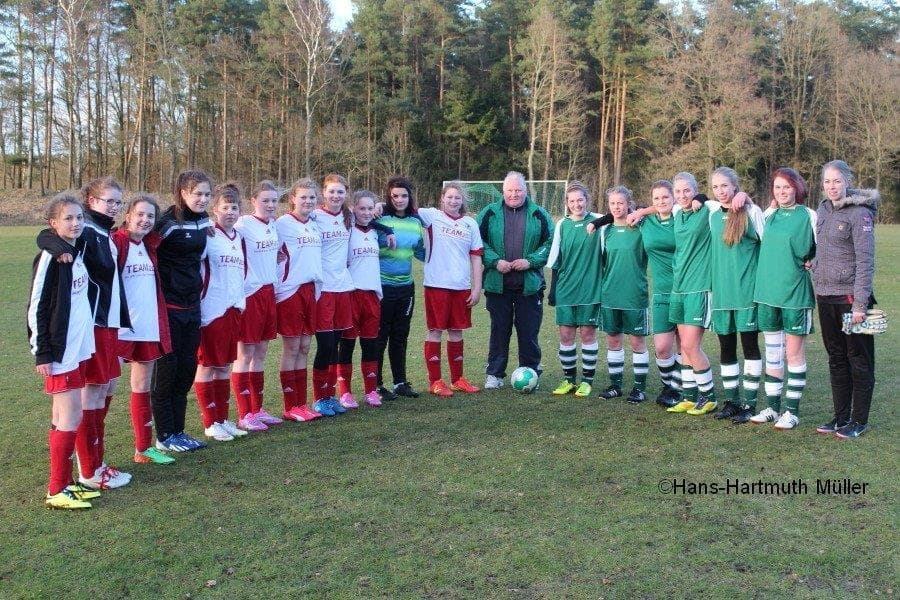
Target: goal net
551	194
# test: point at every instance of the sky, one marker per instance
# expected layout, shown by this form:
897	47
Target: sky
343	12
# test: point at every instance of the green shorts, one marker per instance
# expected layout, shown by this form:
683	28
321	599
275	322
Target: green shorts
659	314
793	321
580	315
690	309
618	320
731	321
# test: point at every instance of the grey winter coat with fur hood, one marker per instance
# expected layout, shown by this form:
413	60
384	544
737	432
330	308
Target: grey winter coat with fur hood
845	248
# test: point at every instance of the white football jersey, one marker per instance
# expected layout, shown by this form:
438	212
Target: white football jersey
261	241
335	249
222	270
301	246
365	267
139	278
449	244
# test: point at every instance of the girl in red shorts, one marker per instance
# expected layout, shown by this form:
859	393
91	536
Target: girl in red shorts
452	285
365	270
60	331
258	321
148	337
222	300
102	201
299	283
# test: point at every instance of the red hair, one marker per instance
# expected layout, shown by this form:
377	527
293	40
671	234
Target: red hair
795	180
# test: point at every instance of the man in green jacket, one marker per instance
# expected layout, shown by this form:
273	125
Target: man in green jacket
517	234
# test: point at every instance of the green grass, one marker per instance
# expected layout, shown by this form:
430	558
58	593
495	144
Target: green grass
496	495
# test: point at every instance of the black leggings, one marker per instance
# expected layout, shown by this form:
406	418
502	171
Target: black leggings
326	349
173	374
728	346
393	334
369	350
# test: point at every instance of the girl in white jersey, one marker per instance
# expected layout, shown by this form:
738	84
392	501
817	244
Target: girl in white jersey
60	330
148	338
364	265
258	321
298	285
223	268
452	285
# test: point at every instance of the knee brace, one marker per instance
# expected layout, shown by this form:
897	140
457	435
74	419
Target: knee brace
774	350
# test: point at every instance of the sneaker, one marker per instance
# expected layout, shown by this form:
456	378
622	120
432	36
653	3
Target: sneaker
405	390
192	442
611	392
830	427
728	411
766	415
106	478
852	430
636	396
583	391
65	500
336	406
564	387
323	407
373	399
464	385
705	404
787	420
171	444
152	456
82	492
682	406
348	401
439	388
668	397
266	419
232	429
301	414
743	416
251	423
493	383
218	433
386	394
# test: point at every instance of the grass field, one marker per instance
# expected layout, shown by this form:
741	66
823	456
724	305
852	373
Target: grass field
490	496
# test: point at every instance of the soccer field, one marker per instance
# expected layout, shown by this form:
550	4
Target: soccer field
495	495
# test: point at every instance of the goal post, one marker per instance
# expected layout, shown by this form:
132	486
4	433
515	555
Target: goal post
549	193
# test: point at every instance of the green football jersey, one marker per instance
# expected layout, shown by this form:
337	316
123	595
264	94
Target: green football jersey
624	268
658	236
578	262
733	268
690	265
782	280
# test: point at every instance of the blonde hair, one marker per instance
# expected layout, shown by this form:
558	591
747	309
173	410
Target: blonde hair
461	188
737	223
577	186
625	192
335	178
56	204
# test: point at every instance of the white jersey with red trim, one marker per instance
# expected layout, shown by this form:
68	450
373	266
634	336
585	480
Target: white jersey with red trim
335	249
449	243
365	266
139	279
222	270
301	249
261	241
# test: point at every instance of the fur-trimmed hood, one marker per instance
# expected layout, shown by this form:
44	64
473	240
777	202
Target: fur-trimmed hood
868	198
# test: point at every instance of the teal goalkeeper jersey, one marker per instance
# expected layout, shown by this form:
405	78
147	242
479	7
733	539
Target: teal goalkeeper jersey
624	268
690	265
658	236
578	263
733	268
782	279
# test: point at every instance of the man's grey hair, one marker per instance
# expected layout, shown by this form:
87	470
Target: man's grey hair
521	178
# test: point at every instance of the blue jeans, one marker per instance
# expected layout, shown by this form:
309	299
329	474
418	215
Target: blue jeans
526	313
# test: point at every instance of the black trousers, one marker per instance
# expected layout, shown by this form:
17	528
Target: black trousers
851	362
512	308
173	374
393	335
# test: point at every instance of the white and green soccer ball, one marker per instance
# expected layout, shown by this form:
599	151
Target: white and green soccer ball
524	380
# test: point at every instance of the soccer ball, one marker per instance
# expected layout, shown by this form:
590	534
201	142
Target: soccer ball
524	380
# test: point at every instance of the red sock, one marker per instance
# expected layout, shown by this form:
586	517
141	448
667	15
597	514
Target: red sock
344	376
288	389
100	449
62	444
320	384
369	370
206	400
223	392
240	383
257	382
433	360
85	438
455	359
300	387
141	420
